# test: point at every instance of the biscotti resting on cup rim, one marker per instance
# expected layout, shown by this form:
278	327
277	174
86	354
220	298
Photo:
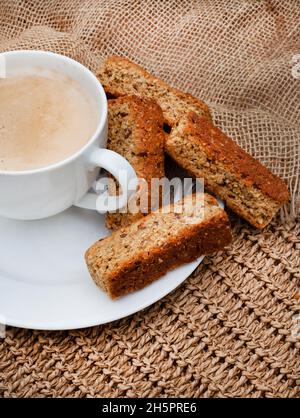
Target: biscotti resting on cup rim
134	256
120	76
247	186
135	131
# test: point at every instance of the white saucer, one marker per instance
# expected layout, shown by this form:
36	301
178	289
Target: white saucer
45	284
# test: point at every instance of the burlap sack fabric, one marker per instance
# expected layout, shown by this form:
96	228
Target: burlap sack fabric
232	329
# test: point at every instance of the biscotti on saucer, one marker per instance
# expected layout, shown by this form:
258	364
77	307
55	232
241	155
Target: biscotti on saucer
135	130
247	186
135	256
121	77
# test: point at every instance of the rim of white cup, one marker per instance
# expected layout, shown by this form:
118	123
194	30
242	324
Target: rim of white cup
100	125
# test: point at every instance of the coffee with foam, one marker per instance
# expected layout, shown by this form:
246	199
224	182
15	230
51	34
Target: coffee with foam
43	120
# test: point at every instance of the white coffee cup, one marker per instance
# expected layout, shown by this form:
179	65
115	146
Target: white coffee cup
46	191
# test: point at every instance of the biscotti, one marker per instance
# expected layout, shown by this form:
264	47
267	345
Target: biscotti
135	256
247	186
120	77
135	130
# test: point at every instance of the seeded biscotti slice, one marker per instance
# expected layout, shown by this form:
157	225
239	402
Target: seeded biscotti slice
120	77
247	186
135	130
135	256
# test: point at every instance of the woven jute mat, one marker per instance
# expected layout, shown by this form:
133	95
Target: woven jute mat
232	329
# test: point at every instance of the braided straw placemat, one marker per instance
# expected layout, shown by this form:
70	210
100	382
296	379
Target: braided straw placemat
232	329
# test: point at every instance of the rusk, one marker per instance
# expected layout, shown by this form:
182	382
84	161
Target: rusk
135	256
135	130
247	186
121	77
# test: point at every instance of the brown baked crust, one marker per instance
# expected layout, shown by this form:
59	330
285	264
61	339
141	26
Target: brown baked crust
114	66
220	147
144	127
147	120
205	238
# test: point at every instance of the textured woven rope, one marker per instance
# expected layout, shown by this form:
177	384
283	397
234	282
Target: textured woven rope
229	330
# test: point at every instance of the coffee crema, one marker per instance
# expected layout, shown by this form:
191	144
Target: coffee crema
43	120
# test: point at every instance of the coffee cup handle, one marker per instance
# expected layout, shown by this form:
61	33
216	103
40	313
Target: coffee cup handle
123	172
